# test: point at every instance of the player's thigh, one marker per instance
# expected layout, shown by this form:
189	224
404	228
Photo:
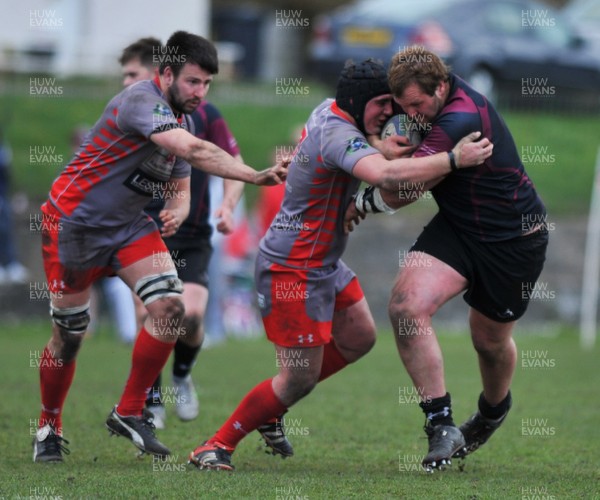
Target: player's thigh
424	284
149	266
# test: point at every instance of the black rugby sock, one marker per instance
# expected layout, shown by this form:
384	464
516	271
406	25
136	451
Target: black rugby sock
494	412
184	359
438	410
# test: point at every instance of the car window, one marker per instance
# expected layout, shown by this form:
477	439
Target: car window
407	11
584	11
505	19
593	12
542	23
558	35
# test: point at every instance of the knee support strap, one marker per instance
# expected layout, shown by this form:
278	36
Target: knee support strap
156	286
74	320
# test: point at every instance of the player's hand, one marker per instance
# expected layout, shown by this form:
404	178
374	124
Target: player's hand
171	221
469	153
274	175
392	147
226	223
352	218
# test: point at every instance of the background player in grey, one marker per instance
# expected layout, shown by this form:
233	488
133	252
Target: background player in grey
312	305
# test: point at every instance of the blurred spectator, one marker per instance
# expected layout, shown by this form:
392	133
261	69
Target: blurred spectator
11	270
227	261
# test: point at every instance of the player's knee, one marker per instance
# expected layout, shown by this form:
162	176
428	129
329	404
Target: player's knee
174	308
193	320
191	328
166	318
160	287
70	324
170	309
360	345
368	341
404	311
489	346
71	321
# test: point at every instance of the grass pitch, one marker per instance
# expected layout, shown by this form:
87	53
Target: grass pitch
358	435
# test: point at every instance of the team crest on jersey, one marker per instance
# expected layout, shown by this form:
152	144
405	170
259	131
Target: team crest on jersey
356	144
161	110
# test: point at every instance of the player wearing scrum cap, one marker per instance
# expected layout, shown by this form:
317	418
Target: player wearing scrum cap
312	305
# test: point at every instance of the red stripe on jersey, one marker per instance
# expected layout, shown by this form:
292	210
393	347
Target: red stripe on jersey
114	135
328	191
109	134
329	225
87	169
321	217
100	143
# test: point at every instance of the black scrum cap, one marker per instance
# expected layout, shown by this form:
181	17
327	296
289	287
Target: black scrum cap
358	84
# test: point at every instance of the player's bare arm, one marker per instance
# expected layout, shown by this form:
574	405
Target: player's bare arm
208	157
410	181
379	172
177	206
411	192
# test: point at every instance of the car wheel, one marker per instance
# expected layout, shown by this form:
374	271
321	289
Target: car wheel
483	81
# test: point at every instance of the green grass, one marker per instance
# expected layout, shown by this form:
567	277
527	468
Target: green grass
352	437
563	166
563	172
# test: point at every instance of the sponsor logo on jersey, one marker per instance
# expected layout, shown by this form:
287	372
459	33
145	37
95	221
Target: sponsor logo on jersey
356	144
142	183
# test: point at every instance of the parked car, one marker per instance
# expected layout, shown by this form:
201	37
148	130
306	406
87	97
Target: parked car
505	48
373	28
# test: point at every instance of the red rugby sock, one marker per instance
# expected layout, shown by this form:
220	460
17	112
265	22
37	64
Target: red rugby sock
147	361
258	406
56	376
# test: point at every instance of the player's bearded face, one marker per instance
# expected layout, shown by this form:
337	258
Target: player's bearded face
179	101
189	88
